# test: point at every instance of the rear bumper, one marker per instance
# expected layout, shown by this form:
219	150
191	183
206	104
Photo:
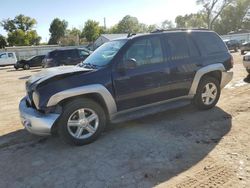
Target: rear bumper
226	77
34	121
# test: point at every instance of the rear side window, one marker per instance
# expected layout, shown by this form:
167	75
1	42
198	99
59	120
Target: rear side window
193	50
210	43
178	46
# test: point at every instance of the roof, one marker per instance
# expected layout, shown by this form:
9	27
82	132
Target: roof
114	36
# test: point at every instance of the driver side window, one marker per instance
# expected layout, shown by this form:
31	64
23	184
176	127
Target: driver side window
145	52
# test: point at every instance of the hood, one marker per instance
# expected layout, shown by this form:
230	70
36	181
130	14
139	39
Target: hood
52	72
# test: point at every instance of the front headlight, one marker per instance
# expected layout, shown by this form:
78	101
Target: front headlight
35	97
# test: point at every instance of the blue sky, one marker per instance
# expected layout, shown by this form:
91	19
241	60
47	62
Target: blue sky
76	12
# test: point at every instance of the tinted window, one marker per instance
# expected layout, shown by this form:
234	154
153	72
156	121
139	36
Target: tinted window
178	46
71	53
145	51
193	50
210	42
10	55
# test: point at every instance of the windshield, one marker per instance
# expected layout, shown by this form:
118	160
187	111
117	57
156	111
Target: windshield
103	55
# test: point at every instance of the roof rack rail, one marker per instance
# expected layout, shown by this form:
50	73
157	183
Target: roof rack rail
131	34
178	29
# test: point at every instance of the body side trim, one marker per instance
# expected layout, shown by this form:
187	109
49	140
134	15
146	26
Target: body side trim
95	88
150	105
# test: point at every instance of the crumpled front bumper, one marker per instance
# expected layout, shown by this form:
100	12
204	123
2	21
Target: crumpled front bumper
34	121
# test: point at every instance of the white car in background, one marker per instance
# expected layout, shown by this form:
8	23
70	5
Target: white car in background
7	58
246	62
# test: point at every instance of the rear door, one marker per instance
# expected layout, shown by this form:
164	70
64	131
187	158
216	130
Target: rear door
147	81
185	61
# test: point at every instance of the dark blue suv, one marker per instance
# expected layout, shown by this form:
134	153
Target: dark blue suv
125	79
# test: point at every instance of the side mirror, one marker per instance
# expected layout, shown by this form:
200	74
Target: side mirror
130	63
127	64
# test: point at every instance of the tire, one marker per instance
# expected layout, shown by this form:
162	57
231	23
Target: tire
242	52
248	70
26	67
203	103
79	134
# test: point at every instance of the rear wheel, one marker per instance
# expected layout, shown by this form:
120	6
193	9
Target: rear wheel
26	67
81	122
208	93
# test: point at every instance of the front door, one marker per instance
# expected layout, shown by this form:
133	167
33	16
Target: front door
144	80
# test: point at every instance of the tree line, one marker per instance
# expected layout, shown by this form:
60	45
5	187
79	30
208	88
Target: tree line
222	16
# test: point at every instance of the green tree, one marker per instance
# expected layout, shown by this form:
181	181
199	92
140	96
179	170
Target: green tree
57	30
212	9
21	22
128	24
167	24
228	21
3	42
20	31
152	28
91	30
71	38
191	21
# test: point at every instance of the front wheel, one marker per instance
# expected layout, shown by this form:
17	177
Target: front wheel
208	93
81	122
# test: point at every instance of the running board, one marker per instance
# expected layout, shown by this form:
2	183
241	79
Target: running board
148	110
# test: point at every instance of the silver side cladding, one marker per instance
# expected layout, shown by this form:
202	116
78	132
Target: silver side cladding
95	88
226	76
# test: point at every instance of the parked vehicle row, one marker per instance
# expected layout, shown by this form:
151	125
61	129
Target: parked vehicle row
236	45
232	45
65	57
246	62
52	59
127	78
245	47
7	58
34	61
